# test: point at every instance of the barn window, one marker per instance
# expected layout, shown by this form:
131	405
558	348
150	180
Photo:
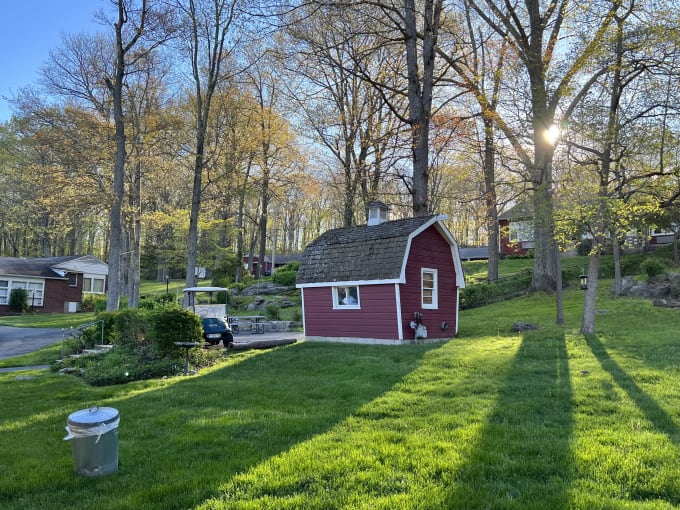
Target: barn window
346	297
429	288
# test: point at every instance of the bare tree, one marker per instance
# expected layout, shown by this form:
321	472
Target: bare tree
209	41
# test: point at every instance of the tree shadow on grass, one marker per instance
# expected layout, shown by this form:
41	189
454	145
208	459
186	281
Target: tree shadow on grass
522	458
649	407
179	442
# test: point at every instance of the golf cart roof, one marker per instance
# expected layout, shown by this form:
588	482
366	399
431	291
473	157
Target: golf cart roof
204	289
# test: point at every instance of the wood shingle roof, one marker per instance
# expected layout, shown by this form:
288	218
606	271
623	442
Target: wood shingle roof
361	253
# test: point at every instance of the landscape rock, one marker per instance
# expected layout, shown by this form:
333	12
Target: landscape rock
266	289
518	327
663	290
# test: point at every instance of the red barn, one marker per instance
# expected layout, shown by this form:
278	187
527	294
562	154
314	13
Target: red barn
384	282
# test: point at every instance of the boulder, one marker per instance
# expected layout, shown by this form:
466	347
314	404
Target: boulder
640	290
518	327
266	289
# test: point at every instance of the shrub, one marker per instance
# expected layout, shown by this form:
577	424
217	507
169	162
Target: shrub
284	277
130	328
484	293
18	300
172	325
93	303
118	367
273	312
653	267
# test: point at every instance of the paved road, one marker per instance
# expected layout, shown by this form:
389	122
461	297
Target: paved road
17	341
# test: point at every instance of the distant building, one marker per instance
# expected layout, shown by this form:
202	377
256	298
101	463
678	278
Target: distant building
517	230
54	284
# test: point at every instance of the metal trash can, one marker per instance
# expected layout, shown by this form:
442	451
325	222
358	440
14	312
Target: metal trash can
93	434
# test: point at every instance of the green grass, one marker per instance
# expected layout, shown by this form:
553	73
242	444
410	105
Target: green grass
546	420
47	320
477	270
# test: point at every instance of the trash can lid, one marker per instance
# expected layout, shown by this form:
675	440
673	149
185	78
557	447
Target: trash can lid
93	416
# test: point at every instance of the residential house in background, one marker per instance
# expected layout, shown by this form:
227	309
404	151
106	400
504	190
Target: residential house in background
279	261
516	230
384	282
54	284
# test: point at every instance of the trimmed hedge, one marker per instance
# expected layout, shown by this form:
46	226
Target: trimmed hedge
480	294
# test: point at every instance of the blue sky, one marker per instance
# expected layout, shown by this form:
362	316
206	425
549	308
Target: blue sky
29	29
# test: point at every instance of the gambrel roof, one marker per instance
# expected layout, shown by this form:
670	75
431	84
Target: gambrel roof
367	253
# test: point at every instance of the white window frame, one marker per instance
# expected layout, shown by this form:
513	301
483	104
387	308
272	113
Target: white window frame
345	290
35	290
90	288
521	231
4	291
432	291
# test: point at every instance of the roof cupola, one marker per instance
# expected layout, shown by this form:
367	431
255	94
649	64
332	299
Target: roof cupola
378	213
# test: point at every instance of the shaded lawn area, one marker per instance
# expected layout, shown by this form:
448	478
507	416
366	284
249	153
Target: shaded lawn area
547	419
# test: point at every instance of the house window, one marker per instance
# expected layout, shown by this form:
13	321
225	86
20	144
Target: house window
34	291
4	292
346	297
72	280
429	288
92	285
521	231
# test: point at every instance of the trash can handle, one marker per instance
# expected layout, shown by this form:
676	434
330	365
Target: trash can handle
94	409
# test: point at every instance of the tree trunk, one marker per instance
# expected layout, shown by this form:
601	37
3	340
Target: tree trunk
544	277
490	199
616	255
116	89
192	244
588	319
420	85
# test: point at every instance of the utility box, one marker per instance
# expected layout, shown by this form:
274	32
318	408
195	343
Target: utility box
93	434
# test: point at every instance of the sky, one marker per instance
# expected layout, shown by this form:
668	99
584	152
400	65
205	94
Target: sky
29	29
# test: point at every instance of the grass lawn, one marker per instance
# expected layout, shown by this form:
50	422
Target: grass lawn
493	419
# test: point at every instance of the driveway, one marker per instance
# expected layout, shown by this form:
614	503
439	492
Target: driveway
16	341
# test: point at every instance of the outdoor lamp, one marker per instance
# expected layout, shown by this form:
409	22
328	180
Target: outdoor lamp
583	281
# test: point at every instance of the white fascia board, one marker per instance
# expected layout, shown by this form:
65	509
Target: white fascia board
438	222
347	283
412	235
400	326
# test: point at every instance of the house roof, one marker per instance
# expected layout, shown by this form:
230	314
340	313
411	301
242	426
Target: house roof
365	253
519	211
474	253
51	267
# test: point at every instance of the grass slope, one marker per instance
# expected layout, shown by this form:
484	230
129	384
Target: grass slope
547	419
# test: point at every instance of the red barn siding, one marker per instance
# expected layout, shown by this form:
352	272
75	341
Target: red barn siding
430	250
377	317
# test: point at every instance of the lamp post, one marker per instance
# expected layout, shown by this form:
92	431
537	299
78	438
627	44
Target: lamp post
167	282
